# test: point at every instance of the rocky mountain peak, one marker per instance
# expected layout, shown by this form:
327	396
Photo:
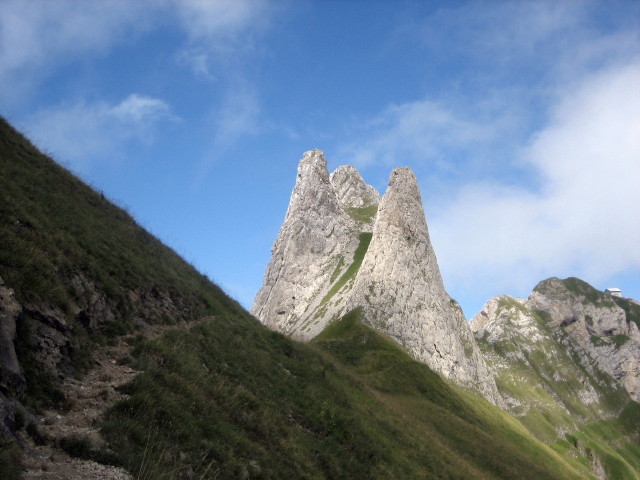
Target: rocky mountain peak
315	232
400	289
313	191
341	247
604	326
539	368
351	189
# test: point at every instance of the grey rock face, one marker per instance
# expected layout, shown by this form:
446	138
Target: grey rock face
537	365
351	189
342	246
400	289
597	323
313	242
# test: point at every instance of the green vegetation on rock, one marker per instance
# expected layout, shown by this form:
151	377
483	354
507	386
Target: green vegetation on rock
358	257
363	214
540	371
631	309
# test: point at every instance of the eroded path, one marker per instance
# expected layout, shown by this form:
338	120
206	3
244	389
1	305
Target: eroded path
89	398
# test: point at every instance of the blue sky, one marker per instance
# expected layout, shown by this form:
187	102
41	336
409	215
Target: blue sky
520	119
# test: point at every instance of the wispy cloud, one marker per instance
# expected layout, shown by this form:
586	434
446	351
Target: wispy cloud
220	31
139	109
427	131
222	21
84	133
582	218
38	36
541	130
237	116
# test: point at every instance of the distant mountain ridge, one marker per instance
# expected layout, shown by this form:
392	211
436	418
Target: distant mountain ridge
566	362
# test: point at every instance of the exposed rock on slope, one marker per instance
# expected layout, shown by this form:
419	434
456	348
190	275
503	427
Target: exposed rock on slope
548	372
77	272
539	368
605	327
342	247
11	377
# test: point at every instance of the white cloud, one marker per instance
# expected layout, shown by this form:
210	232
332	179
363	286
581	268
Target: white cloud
139	109
221	19
426	130
38	36
219	31
83	133
583	218
237	116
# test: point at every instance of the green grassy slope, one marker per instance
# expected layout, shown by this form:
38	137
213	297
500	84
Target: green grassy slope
580	412
228	398
53	227
62	245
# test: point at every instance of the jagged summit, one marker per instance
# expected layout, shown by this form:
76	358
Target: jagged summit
313	192
342	247
315	227
400	289
351	189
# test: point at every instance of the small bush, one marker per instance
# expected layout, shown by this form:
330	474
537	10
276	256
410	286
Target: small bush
10	460
34	432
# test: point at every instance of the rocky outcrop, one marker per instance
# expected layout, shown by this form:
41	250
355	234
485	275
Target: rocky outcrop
539	368
12	381
600	324
352	191
315	240
342	247
400	289
541	353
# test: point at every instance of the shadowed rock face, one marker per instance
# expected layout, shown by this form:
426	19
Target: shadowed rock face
11	378
342	246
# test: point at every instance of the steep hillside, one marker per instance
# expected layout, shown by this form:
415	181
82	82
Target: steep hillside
343	247
80	269
76	272
556	387
234	400
88	295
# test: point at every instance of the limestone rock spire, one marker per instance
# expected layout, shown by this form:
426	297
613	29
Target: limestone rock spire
314	229
343	247
351	189
400	289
